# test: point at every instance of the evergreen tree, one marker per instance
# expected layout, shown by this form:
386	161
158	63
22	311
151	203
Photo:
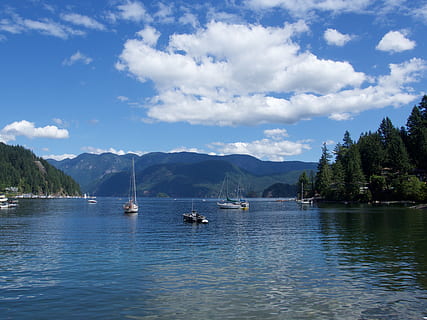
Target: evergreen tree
371	153
354	178
324	173
338	181
20	168
417	135
303	184
396	156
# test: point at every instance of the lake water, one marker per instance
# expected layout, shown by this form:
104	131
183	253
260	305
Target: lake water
68	259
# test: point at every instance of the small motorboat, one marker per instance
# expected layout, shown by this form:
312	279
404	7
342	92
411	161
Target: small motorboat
194	217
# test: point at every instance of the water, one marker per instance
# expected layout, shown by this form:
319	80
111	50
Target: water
67	259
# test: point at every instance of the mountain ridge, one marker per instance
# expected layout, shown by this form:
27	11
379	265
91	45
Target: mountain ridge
178	174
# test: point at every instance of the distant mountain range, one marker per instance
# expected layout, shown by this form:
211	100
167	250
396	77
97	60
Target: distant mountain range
182	174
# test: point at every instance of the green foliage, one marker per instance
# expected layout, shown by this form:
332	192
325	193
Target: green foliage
410	188
371	153
389	164
324	173
417	134
20	168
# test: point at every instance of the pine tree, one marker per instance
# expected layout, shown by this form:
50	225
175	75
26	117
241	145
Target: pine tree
417	135
396	155
338	181
354	178
371	153
324	173
303	183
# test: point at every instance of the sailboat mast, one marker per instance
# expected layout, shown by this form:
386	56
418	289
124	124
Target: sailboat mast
302	190
133	181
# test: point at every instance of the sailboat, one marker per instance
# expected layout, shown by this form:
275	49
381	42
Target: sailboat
132	205
304	201
229	203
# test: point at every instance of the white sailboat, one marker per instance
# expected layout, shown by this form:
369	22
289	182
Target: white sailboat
228	203
132	205
304	201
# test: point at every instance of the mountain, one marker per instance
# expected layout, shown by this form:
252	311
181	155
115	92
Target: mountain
88	169
21	169
182	174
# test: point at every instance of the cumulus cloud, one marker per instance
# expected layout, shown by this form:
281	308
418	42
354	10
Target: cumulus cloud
276	133
336	38
29	130
232	74
77	57
395	41
133	11
273	147
82	20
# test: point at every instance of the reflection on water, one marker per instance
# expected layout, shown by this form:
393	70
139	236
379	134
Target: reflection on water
67	259
390	241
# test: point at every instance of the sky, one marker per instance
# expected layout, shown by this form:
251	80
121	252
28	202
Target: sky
275	79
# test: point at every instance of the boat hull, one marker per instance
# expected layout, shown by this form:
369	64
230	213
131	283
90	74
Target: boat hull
233	205
130	208
194	217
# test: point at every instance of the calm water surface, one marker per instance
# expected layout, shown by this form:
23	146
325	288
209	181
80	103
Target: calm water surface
67	259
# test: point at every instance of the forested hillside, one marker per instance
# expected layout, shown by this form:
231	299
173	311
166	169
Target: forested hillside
389	164
181	174
21	169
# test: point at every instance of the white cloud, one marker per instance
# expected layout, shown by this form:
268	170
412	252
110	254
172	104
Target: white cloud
334	37
122	98
134	11
301	8
421	13
340	116
395	41
190	19
77	57
330	142
185	149
269	149
149	35
165	13
58	121
228	74
59	157
28	129
110	150
84	21
17	24
276	133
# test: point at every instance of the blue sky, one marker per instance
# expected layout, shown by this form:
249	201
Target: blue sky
271	78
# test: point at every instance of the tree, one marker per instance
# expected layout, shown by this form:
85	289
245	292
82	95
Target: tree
396	155
337	191
417	135
324	173
303	183
354	178
371	153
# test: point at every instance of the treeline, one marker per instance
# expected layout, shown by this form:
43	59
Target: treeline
22	171
389	164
